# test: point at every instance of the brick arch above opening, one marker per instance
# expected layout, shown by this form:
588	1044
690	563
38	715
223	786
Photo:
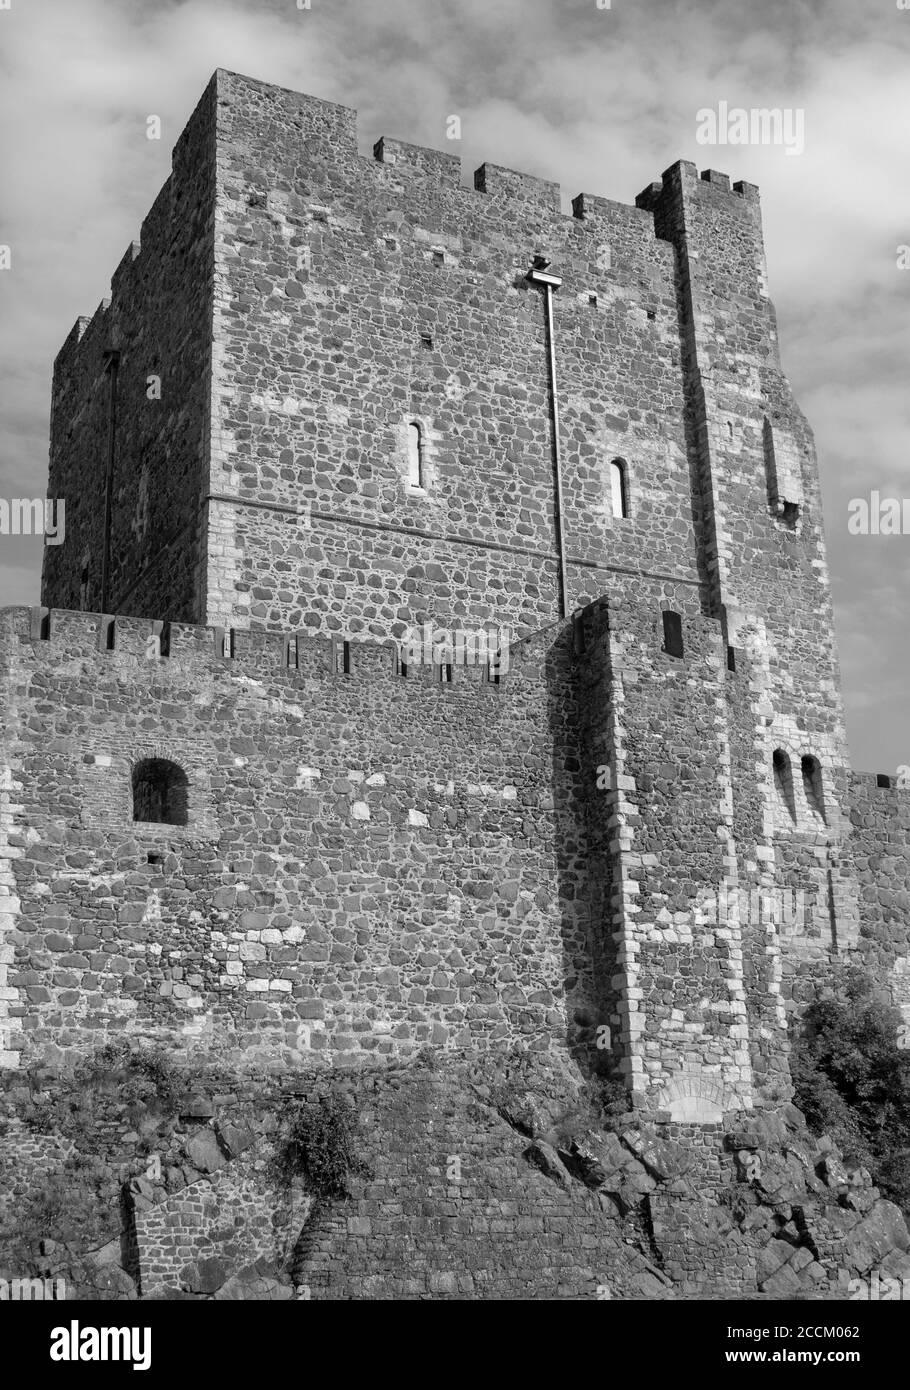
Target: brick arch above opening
693	1098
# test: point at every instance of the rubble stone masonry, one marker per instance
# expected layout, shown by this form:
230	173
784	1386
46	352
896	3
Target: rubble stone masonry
375	858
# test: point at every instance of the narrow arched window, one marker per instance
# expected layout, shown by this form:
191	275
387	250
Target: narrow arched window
159	792
619	488
783	783
415	455
812	786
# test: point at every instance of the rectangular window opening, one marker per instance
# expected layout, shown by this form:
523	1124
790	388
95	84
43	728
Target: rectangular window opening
673	635
415	455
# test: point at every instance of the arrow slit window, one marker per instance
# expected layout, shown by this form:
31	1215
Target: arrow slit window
619	489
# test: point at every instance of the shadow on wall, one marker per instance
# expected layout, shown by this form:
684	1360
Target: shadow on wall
577	695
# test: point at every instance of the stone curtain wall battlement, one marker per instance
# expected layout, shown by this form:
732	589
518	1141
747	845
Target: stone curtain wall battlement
315	764
368	863
57	636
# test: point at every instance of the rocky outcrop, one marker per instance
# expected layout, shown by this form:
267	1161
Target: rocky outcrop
482	1178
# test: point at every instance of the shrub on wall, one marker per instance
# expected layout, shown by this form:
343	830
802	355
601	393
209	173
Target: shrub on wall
852	1080
319	1146
105	1115
139	1080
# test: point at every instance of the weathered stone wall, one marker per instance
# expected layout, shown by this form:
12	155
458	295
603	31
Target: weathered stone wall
371	862
682	1017
752	551
375	861
475	1177
880	850
454	1195
224	1221
158	324
763	543
354	295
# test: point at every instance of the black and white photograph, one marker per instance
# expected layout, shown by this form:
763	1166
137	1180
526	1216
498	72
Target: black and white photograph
455	763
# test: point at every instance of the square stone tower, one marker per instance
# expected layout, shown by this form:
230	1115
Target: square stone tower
235	430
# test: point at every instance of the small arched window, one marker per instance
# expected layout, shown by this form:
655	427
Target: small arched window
619	488
415	455
783	783
159	792
812	786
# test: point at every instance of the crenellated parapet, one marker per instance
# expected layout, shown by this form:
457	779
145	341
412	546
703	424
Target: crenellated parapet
252	116
54	637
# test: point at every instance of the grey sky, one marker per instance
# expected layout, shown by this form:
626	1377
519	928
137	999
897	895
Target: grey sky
601	100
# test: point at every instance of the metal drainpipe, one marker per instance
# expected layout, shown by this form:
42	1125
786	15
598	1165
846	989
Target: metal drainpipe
538	276
112	364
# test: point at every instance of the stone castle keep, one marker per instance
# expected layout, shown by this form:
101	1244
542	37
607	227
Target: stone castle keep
321	406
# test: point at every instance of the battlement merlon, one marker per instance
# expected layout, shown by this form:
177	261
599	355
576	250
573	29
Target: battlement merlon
271	115
443	170
72	341
125	268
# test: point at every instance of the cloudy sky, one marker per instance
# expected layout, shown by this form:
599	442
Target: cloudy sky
600	99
